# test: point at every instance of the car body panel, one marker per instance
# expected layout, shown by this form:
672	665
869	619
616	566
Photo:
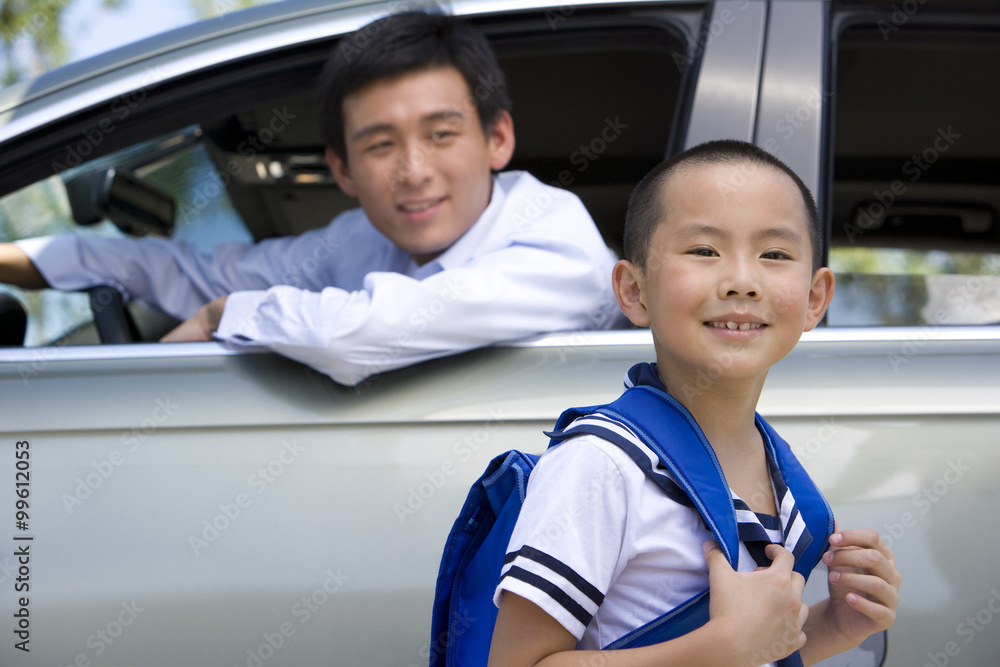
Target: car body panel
729	75
790	114
229	486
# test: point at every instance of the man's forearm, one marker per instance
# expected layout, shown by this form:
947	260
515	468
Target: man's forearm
17	269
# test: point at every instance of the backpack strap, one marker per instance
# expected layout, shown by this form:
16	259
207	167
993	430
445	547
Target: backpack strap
694	465
681	446
810	502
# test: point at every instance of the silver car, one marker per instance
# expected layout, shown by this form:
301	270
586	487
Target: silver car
186	504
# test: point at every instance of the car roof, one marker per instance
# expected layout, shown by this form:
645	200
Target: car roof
174	53
230	37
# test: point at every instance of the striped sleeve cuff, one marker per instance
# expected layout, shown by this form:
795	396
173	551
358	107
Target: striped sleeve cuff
552	585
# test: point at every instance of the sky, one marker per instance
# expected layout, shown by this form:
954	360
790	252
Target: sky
92	29
89	28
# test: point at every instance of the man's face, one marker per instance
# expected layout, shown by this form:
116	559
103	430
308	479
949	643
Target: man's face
728	287
417	158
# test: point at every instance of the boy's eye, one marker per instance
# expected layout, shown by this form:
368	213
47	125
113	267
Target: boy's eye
776	254
703	252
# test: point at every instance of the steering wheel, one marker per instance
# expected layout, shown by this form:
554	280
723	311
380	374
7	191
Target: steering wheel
13	321
114	322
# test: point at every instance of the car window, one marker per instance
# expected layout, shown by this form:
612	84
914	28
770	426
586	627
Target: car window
40	209
916	149
582	122
594	110
204	216
599	98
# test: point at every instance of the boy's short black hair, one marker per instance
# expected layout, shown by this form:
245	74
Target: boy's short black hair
646	207
402	43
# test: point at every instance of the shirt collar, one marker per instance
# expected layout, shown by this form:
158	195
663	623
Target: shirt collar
796	536
644	374
467	244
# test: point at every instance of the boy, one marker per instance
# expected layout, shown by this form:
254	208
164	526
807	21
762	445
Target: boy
723	254
443	256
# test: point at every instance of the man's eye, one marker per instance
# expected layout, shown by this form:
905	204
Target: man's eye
441	135
378	146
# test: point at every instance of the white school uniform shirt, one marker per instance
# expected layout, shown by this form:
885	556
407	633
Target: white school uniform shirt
346	301
600	547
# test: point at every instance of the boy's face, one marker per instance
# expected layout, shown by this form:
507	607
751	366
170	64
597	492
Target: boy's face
728	287
417	158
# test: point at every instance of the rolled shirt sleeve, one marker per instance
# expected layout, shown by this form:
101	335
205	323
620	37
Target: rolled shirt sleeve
515	276
344	300
173	276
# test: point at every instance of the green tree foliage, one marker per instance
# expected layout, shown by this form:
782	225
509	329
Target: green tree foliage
206	9
33	41
32	36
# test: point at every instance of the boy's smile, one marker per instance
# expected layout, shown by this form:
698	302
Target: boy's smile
728	288
736	326
417	158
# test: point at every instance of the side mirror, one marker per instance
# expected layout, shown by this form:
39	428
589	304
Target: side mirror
133	205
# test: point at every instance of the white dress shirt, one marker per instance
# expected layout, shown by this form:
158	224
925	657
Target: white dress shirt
346	301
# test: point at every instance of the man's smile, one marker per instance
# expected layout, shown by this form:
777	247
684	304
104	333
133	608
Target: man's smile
422	205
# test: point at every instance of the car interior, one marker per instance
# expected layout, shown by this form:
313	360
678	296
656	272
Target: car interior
915	196
566	88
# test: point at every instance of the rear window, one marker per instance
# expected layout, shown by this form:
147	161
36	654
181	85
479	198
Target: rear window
916	150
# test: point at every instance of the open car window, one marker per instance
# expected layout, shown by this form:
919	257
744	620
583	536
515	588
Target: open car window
179	165
915	198
250	165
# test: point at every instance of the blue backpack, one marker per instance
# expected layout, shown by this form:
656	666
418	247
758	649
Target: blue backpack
464	613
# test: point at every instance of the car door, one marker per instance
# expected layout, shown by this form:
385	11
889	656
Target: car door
887	111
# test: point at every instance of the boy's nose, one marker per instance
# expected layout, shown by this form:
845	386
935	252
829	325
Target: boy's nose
740	281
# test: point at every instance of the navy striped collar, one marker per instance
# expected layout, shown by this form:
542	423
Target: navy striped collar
644	374
756	530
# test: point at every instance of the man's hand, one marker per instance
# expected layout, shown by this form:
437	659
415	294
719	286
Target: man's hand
201	326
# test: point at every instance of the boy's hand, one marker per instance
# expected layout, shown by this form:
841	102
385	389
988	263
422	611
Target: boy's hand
864	584
760	612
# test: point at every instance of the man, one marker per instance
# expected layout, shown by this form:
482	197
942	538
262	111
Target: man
443	256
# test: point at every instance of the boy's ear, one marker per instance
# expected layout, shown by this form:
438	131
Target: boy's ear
340	172
501	141
820	295
627	281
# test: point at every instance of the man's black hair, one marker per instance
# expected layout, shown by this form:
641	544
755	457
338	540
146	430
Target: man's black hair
401	44
647	208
